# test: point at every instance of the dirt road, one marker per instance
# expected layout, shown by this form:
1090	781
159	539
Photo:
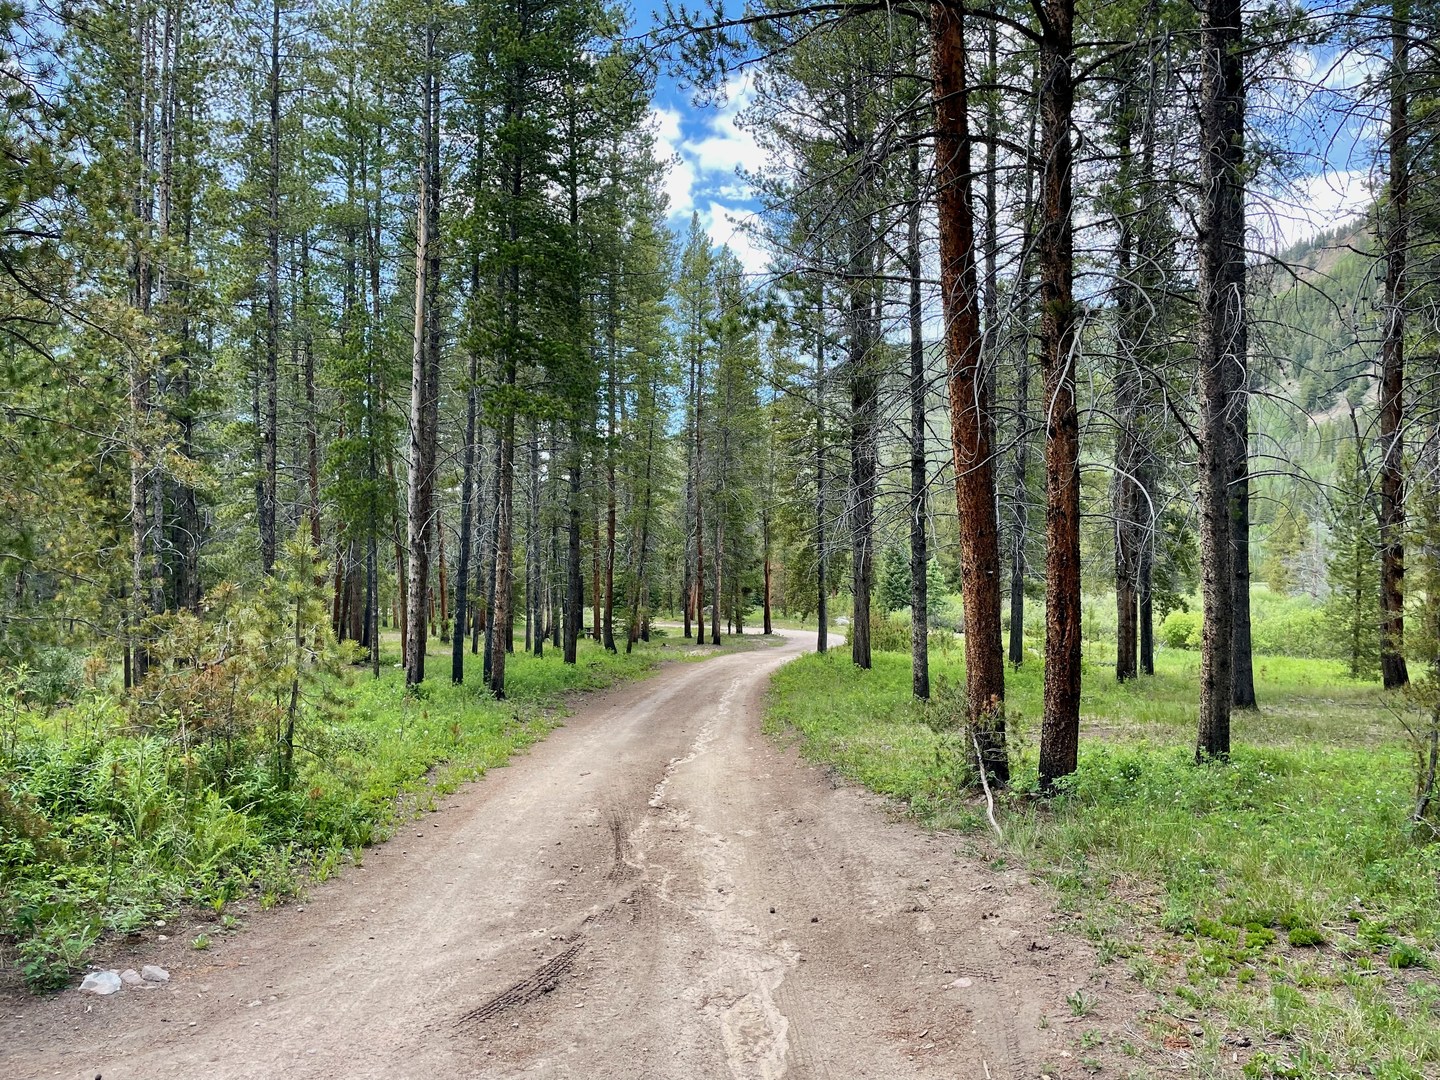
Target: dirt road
656	891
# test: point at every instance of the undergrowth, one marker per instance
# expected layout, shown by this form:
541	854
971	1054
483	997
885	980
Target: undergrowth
110	819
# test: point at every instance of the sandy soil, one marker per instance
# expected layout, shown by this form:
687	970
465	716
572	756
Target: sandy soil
656	891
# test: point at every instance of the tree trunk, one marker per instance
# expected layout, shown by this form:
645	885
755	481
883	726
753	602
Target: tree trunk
766	522
557	594
822	587
467	511
424	379
638	597
919	557
269	421
687	511
1242	675
488	560
1220	341
1020	462
312	412
140	380
536	618
139	523
699	387
765	570
608	626
442	588
501	615
969	402
1396	238
1145	604
499	625
862	372
402	587
1153	239
372	602
1060	726
595	576
190	589
375	393
1126	494
355	575
718	591
574	593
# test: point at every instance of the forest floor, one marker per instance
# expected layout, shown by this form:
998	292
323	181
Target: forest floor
655	890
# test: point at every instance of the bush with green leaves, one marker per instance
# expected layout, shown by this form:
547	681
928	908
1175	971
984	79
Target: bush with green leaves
889	633
1289	626
1181	629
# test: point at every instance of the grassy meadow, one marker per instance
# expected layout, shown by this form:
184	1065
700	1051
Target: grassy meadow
1282	903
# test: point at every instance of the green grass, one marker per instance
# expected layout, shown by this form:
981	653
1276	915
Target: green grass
105	827
1283	896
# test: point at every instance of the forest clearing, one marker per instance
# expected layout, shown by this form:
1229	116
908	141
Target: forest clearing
824	540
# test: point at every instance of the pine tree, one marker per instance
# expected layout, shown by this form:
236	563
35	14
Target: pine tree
1352	612
1288	536
894	588
970	405
694	311
1060	734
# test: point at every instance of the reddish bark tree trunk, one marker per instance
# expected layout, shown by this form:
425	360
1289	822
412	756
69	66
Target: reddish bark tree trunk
969	401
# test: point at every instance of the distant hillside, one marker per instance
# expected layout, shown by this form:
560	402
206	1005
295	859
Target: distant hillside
1316	320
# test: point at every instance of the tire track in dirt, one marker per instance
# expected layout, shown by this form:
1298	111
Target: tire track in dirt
545	980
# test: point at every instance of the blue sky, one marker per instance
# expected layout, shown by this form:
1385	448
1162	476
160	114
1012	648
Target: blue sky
1307	111
707	150
1311	113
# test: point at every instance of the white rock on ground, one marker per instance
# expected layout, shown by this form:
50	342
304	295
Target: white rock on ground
151	973
101	982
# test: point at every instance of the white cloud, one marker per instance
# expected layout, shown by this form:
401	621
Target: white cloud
1338	69
680	186
666	123
725	227
724	146
1310	205
727	146
679	182
704	148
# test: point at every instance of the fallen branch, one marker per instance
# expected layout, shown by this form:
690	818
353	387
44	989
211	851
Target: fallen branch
985	783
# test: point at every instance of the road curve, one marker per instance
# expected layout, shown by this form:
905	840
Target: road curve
654	891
